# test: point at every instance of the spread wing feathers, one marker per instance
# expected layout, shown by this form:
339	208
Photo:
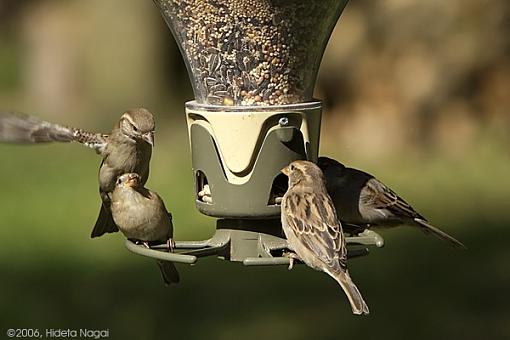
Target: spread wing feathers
95	141
24	129
314	222
378	196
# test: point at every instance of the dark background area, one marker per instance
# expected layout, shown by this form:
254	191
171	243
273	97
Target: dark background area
415	92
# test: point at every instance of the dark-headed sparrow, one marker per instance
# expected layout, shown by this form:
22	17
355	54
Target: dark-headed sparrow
141	216
363	201
313	230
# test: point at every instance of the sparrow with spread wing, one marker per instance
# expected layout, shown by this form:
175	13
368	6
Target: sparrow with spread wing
127	149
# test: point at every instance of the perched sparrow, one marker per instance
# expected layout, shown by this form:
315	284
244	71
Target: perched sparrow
127	149
362	200
313	230
141	216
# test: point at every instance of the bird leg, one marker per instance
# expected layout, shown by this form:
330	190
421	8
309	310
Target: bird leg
140	242
170	244
292	256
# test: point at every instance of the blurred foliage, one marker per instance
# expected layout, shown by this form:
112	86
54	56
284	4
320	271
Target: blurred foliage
415	92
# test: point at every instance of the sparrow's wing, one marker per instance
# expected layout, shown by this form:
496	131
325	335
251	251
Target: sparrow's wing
376	195
160	210
95	141
24	129
313	220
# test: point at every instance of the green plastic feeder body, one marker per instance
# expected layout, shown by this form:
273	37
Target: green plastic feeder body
253	66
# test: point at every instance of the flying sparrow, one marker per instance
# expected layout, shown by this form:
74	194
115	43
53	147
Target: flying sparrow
313	230
363	201
141	216
127	149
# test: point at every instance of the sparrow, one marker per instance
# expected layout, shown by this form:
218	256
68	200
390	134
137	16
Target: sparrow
313	230
142	217
362	201
128	148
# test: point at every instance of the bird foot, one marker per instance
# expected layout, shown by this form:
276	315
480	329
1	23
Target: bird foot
140	243
170	244
292	256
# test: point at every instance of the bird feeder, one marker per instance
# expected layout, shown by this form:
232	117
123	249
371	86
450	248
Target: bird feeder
252	66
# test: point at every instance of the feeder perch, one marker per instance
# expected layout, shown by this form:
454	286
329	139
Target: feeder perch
252	66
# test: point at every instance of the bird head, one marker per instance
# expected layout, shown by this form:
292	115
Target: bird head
304	172
131	180
325	163
138	124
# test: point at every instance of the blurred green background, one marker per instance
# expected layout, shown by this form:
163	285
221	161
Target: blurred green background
416	92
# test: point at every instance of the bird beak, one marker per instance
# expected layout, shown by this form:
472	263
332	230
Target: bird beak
132	181
286	171
149	137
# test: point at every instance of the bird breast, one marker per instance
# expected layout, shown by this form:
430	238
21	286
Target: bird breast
138	217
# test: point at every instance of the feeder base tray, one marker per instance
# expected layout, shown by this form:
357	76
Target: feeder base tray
236	241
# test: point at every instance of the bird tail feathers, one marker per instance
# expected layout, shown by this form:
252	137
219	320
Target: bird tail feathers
168	272
358	305
104	223
430	229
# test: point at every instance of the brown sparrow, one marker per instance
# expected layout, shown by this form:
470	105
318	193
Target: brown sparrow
127	149
363	201
313	230
141	216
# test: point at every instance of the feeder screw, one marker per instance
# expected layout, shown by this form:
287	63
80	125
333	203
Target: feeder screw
284	121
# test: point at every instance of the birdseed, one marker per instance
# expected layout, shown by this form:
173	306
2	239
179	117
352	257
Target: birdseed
252	52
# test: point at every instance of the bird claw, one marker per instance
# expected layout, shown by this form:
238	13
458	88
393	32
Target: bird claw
291	263
170	244
292	257
140	243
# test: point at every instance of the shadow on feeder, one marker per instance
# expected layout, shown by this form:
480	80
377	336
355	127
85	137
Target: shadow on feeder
253	66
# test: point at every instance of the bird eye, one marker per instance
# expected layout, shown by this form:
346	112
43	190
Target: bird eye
119	181
292	168
135	129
